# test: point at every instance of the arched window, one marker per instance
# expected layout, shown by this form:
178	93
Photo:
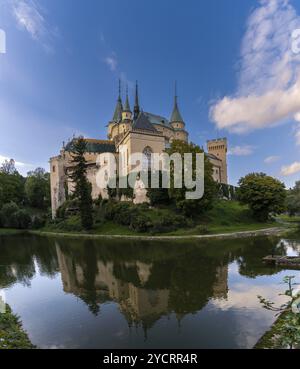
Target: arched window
147	158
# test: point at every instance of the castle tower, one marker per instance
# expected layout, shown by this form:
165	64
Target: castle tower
218	148
136	110
177	121
126	114
117	117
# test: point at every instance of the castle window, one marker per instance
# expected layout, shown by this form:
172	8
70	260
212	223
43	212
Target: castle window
147	158
53	169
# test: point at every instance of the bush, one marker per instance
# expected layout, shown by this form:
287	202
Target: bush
13	217
169	223
38	222
6	214
140	223
71	224
20	219
69	207
202	230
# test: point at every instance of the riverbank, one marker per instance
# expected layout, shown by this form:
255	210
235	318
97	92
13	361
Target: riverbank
12	335
243	234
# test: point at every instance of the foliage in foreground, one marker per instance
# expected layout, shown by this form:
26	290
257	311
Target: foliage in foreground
12	336
286	332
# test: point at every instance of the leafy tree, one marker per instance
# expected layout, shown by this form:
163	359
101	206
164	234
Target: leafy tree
37	188
192	207
263	194
7	212
8	167
82	186
293	200
11	188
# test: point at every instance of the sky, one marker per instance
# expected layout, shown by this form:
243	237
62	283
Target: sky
236	63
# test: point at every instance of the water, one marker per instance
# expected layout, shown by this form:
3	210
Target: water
131	294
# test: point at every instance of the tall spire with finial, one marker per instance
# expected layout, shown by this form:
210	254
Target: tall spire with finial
176	116
136	102
119	107
127	105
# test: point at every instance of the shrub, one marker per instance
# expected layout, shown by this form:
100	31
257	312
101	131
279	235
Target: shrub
20	219
7	212
169	223
202	230
71	224
140	223
38	222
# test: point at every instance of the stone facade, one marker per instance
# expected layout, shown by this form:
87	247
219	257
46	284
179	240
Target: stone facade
128	133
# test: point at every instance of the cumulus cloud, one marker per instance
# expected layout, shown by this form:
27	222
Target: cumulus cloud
271	159
269	81
290	169
241	150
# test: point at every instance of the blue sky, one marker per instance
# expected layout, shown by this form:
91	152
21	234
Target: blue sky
236	74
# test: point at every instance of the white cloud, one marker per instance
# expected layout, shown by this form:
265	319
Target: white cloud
290	169
269	81
111	62
271	159
19	165
241	150
30	17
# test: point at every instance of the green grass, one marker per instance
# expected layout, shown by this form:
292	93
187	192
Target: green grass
225	217
12	335
288	219
10	232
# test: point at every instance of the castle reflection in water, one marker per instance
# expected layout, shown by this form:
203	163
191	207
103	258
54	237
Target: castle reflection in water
137	300
146	281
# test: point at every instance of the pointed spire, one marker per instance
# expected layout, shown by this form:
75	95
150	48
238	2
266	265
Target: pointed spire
127	105
136	102
176	116
119	107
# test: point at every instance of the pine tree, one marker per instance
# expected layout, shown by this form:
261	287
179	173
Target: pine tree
82	186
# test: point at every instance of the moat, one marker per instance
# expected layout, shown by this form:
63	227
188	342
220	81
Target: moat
130	294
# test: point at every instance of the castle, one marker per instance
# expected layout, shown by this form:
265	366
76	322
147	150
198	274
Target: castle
131	132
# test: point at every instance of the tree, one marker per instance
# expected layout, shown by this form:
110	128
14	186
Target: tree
82	186
8	167
11	188
293	200
192	207
37	188
263	194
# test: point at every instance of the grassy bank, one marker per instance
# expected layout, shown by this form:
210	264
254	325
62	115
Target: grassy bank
226	217
12	335
8	231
